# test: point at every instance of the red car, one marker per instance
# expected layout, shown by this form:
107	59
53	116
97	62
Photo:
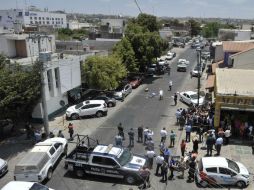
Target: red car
135	81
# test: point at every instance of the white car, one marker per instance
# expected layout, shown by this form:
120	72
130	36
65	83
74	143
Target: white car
121	93
221	171
191	98
183	61
169	56
196	72
3	167
22	185
86	108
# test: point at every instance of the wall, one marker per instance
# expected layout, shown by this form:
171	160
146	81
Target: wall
21	50
7	47
219	54
242	35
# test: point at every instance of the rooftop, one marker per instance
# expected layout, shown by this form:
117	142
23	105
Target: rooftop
232	46
107	149
234	82
214	162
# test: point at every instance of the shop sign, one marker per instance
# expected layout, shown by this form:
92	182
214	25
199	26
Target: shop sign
237	101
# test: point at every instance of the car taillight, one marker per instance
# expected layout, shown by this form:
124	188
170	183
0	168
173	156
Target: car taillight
203	175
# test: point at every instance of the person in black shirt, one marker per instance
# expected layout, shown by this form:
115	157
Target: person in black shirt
140	134
120	130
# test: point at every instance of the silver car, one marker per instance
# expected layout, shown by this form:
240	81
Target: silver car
121	93
3	167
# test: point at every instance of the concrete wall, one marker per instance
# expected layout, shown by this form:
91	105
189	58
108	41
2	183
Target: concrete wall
242	61
219	54
243	35
7	47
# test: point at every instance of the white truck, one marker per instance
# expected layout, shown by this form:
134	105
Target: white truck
38	164
104	160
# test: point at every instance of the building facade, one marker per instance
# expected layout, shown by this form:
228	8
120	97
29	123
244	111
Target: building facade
27	18
234	34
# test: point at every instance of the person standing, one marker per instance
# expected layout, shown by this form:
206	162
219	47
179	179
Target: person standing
170	84
164	172
163	134
175	98
218	144
195	145
182	166
119	140
209	143
161	94
120	130
172	138
227	134
192	168
144	172
183	147
178	114
172	165
150	155
181	122
149	144
71	130
140	134
166	154
159	161
188	132
145	134
131	137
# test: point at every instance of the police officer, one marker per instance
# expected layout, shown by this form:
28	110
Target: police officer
140	133
120	130
131	137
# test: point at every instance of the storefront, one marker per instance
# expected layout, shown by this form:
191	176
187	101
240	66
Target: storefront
234	99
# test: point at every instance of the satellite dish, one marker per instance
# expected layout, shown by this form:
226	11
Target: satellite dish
62	103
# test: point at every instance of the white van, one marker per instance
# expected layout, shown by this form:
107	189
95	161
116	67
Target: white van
21	185
37	165
218	171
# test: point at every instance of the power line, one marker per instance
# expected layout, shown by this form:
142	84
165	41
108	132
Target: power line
138	6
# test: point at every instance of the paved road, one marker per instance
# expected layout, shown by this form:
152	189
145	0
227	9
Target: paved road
140	109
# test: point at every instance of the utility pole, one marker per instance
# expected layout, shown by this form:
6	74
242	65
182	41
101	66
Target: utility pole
199	73
38	37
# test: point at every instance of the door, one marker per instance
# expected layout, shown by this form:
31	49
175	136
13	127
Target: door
85	110
53	155
59	149
212	175
226	176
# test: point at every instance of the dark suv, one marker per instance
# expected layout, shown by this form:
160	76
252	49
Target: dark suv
111	102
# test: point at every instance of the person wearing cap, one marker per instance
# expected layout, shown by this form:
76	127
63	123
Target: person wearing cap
131	137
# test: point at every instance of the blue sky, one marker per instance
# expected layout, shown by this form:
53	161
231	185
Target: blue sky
174	8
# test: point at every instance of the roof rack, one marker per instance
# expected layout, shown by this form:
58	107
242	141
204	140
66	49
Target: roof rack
110	146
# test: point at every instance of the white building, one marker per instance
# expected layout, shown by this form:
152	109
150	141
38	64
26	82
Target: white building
234	34
31	18
74	25
114	25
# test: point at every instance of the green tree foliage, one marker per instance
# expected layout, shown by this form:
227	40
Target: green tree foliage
67	34
104	73
195	27
211	29
148	21
124	50
19	91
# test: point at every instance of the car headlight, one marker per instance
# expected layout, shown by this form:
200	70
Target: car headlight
246	176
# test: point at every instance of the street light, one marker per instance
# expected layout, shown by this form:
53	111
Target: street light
199	73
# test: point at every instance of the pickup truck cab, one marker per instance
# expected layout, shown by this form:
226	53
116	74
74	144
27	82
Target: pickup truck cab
105	160
38	164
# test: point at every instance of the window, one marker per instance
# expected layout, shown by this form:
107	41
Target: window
35	18
43	18
97	160
36	22
57	145
104	161
52	22
211	170
49	80
47	18
52	18
47	22
39	18
31	18
226	171
20	13
39	22
43	22
31	22
109	162
57	77
52	151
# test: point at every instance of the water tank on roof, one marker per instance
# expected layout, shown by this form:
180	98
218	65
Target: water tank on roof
45	56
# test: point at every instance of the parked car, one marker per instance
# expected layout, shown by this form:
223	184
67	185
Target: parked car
111	102
151	70
221	171
191	98
122	92
196	72
87	108
3	167
135	81
89	94
23	185
170	55
38	164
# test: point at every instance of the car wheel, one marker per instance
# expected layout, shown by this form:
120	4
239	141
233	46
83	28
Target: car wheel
49	174
74	116
130	179
99	114
240	184
110	105
79	173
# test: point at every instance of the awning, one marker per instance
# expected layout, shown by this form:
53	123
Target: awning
237	108
210	81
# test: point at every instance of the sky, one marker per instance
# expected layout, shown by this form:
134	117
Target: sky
169	8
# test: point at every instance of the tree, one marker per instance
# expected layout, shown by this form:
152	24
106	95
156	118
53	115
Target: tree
211	29
195	27
19	91
104	73
148	21
124	50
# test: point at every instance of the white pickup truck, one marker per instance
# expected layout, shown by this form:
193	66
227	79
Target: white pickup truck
37	165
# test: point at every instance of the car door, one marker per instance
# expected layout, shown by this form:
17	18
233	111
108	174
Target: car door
59	149
85	110
212	175
226	176
94	108
53	154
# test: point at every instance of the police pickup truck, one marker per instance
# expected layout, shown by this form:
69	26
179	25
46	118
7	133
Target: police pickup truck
104	160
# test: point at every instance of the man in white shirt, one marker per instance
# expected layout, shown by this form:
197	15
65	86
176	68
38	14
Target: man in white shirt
178	114
163	134
161	94
170	84
227	134
150	155
218	144
159	160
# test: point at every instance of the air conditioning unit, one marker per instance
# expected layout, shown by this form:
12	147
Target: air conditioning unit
45	56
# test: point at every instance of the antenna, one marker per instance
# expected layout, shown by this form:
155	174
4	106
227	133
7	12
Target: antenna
138	6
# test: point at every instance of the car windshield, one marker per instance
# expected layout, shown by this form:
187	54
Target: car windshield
233	165
79	105
37	186
125	157
194	96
